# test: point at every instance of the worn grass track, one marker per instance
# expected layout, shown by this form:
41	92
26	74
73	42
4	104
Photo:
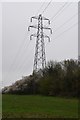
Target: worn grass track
29	106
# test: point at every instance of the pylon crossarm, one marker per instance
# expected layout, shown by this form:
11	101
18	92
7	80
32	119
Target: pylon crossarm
34	17
47	37
32	27
46	19
48	29
33	35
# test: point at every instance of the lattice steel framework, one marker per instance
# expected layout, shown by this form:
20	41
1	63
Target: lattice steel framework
40	58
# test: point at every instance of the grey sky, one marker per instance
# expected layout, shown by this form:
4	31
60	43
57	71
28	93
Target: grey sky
18	50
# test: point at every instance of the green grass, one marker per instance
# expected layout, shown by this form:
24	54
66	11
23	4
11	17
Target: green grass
27	106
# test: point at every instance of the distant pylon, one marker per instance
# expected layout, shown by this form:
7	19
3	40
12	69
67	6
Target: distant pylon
40	58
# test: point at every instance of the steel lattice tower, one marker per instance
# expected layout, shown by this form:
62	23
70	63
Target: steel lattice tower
40	58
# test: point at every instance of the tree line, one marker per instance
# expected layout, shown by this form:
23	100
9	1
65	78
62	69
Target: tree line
57	79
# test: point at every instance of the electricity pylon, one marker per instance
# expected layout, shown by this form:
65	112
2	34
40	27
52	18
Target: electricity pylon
40	58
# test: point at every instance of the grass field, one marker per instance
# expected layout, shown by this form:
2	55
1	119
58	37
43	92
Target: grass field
30	106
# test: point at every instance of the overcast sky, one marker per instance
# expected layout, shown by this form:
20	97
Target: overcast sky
18	51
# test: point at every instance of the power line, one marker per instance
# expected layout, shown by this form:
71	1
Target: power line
63	9
21	55
16	56
67	21
66	30
20	65
25	62
58	11
40	7
25	59
46	7
14	61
